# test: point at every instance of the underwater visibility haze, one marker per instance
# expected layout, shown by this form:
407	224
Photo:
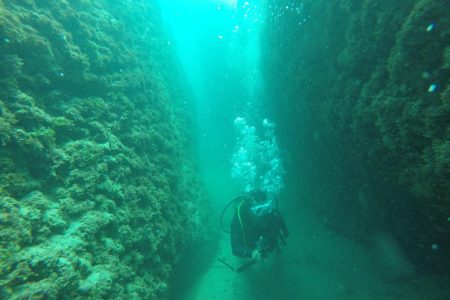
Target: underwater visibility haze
225	149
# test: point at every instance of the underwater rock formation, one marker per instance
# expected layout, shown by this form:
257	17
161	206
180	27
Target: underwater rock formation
364	102
98	187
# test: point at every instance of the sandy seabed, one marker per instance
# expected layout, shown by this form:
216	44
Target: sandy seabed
315	264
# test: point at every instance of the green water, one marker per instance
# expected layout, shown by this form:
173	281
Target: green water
340	248
127	126
219	50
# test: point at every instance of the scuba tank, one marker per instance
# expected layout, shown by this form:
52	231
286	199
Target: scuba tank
234	201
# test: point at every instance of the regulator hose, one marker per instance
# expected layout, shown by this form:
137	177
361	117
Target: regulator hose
223	213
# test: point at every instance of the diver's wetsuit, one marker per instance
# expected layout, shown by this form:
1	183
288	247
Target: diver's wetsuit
247	230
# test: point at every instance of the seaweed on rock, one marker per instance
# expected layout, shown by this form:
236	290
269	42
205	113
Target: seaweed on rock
97	179
370	81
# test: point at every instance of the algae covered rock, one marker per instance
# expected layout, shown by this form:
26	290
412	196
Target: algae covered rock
96	157
367	87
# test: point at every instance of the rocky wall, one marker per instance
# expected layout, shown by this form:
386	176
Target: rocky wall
98	186
363	104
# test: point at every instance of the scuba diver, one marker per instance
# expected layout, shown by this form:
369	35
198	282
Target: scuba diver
257	227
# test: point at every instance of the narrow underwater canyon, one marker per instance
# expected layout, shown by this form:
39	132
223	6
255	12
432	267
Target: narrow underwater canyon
117	144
